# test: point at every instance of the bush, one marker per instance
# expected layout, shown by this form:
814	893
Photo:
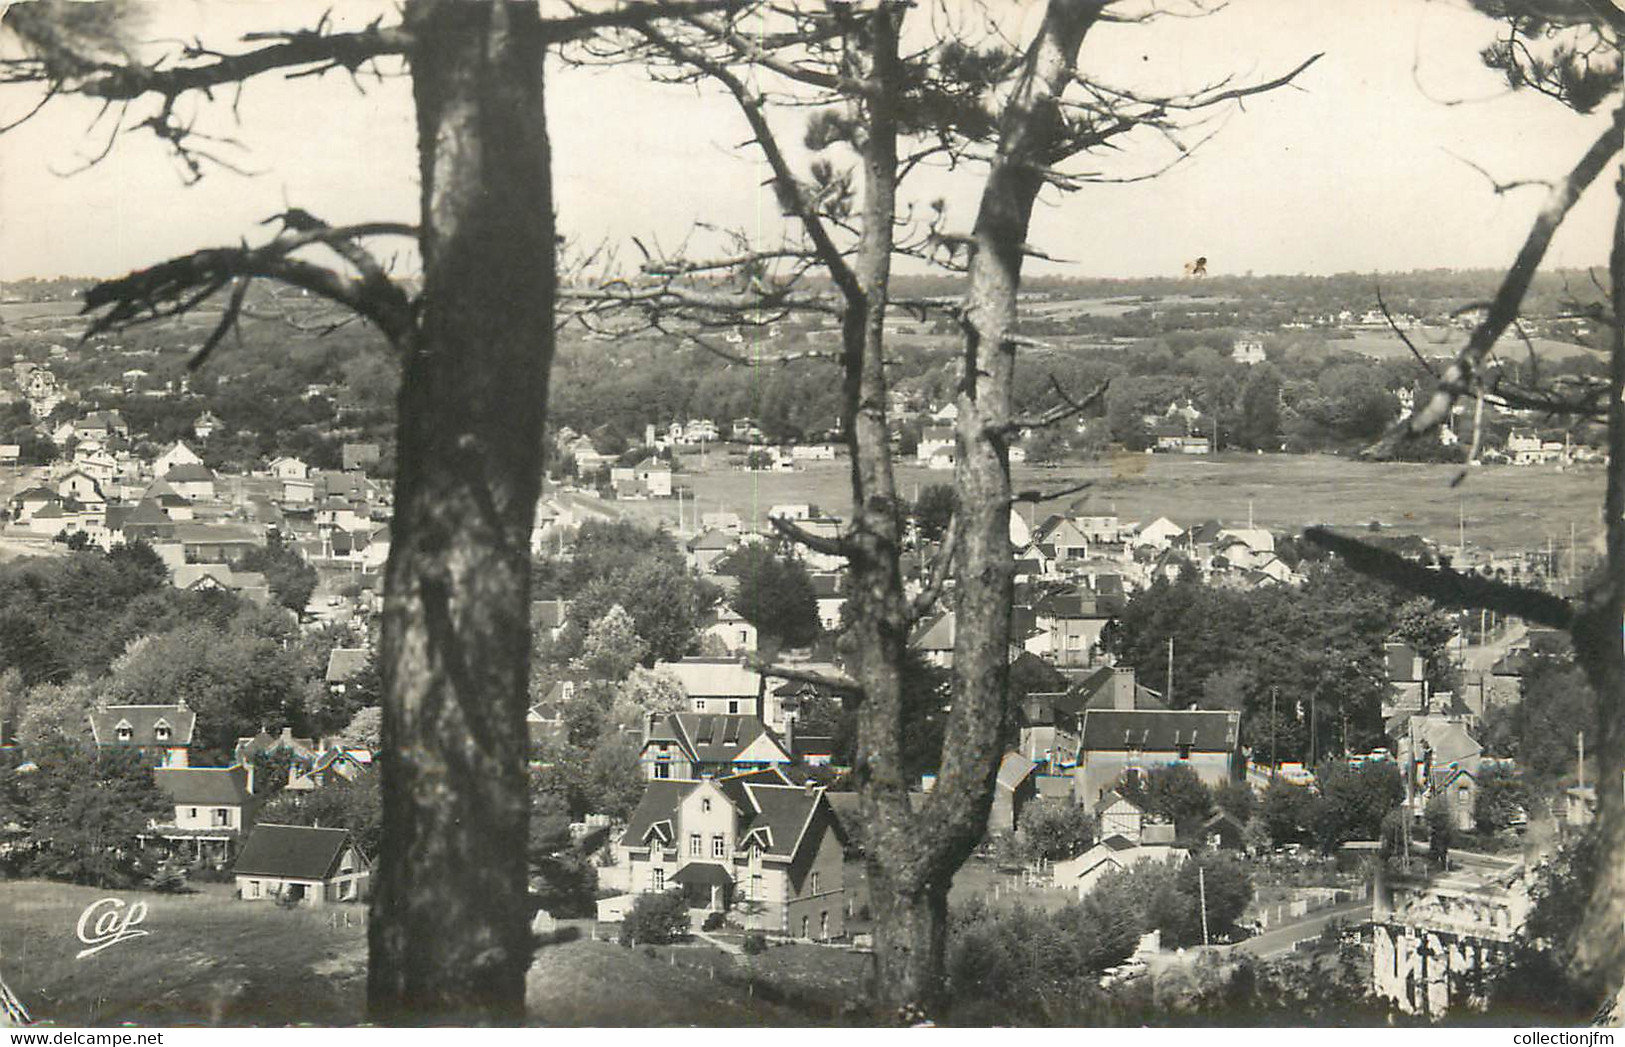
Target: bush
713	921
656	919
169	878
755	942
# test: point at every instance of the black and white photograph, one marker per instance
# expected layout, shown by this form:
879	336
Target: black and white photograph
847	514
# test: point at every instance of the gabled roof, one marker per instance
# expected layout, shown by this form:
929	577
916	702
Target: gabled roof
189	472
546	614
299	852
936	635
1158	730
266	742
193	575
1451	743
1013	770
714	677
143	721
713	738
1101	689
659	803
344	662
204	786
146	513
710	540
1111	798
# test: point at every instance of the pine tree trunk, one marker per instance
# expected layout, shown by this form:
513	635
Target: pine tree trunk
1600	951
913	856
449	934
910	943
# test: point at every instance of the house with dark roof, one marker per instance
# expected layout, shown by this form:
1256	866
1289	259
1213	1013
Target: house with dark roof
162	733
707	547
213	806
302	864
1068	626
343	665
192	482
753	845
1444	759
690	746
1120	742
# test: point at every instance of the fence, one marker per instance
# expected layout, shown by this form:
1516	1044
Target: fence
1311	899
11	1008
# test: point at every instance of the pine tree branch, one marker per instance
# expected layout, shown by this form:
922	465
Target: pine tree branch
1459	378
1443	585
179	285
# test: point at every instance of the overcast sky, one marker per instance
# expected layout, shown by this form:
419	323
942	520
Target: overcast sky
1352	172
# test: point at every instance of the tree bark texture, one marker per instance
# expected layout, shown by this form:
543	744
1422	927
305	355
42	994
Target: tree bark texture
913	857
449	932
1600	951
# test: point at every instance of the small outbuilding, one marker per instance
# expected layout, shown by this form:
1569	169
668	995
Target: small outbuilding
302	864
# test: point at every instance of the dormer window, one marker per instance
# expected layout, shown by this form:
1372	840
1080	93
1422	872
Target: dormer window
124	732
161	731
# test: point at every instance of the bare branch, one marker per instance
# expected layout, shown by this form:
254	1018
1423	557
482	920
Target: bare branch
1403	337
1038	497
941	571
816	542
180	284
791	197
838	684
1501	188
1068	408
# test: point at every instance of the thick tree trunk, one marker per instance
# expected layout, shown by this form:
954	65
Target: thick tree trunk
913	857
878	639
449	933
1600	952
910	941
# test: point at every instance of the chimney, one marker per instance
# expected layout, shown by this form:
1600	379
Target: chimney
248	767
1123	689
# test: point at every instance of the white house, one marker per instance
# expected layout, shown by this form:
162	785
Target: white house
179	454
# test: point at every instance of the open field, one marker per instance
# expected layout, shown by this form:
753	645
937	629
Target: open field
1446	341
207	958
1505	507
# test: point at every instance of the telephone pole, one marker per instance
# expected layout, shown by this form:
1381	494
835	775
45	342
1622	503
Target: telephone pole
1201	888
1170	696
1275	753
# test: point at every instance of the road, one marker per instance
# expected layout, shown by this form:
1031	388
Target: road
1279	940
1480	659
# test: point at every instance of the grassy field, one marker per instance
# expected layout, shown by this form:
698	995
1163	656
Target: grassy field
1446	341
1504	507
207	959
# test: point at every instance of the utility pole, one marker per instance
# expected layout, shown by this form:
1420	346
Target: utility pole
1314	731
1170	696
1201	888
1580	762
1275	753
1461	533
